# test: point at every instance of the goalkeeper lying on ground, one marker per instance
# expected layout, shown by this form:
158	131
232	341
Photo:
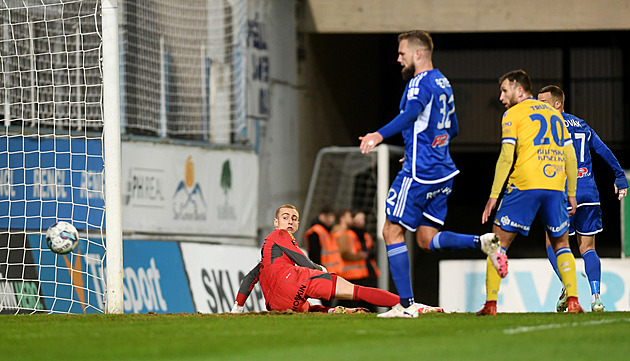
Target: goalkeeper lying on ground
288	278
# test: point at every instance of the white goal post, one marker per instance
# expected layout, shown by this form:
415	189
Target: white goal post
344	178
60	155
112	153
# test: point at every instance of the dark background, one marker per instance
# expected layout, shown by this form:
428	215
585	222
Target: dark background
591	67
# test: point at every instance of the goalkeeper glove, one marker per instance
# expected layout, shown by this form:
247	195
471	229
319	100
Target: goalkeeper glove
237	309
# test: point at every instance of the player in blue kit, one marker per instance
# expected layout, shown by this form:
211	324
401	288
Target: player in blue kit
587	221
417	198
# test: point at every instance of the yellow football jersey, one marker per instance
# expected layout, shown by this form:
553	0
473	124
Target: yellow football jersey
539	134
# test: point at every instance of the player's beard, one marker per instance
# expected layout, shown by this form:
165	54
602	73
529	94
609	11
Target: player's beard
408	71
512	102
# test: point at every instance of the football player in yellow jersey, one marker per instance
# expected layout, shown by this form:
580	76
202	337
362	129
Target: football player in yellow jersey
545	162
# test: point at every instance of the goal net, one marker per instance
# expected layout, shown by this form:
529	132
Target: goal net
183	69
52	155
344	178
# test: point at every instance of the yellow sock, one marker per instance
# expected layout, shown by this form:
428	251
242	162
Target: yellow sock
493	282
566	266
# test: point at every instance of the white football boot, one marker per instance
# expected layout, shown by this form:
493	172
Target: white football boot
596	303
399	311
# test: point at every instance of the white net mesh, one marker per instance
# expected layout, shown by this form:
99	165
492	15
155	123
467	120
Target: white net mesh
50	64
51	159
343	178
183	68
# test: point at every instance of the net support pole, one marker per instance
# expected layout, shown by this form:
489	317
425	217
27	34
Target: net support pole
112	159
382	187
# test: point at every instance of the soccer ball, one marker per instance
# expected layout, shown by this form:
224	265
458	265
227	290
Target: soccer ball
62	237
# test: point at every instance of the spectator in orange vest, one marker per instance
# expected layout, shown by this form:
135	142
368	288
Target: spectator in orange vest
356	260
366	242
322	249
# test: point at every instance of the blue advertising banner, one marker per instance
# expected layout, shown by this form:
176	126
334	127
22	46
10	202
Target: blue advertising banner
44	179
154	277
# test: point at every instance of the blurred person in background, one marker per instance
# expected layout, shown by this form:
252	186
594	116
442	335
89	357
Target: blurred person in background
357	253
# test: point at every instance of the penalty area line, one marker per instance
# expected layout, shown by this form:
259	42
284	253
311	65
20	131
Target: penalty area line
524	329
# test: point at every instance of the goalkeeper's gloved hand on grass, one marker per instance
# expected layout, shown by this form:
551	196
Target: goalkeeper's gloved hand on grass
237	309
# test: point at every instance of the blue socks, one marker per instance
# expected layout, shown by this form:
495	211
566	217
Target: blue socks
450	241
400	269
593	268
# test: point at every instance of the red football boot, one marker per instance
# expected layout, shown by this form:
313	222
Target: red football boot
573	306
489	309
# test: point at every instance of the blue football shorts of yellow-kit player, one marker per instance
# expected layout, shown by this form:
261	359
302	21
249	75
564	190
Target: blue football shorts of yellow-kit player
413	204
519	208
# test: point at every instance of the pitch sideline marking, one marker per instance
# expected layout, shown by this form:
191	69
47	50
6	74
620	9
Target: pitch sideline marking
523	329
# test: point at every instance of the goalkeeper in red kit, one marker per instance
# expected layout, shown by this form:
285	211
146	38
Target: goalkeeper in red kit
288	278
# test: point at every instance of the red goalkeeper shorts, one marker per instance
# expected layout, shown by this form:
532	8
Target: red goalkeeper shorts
298	284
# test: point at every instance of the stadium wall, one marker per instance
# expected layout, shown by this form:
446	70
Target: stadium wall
378	16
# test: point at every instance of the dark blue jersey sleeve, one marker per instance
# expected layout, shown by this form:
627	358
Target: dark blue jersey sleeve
600	148
401	122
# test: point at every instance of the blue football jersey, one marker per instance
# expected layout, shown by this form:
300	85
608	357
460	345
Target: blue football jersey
584	140
427	155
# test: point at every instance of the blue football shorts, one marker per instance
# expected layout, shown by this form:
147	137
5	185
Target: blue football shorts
586	221
412	204
519	208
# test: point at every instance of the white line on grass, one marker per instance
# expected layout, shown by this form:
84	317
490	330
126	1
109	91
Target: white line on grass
523	329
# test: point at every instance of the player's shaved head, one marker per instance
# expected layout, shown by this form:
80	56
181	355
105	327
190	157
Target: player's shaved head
418	39
556	93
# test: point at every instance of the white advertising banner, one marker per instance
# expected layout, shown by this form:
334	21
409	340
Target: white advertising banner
189	190
530	286
215	273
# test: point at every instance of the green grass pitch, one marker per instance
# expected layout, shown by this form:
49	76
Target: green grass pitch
281	336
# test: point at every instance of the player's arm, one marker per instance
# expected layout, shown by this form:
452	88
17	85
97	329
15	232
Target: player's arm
300	258
246	288
501	172
502	168
600	148
403	120
570	165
